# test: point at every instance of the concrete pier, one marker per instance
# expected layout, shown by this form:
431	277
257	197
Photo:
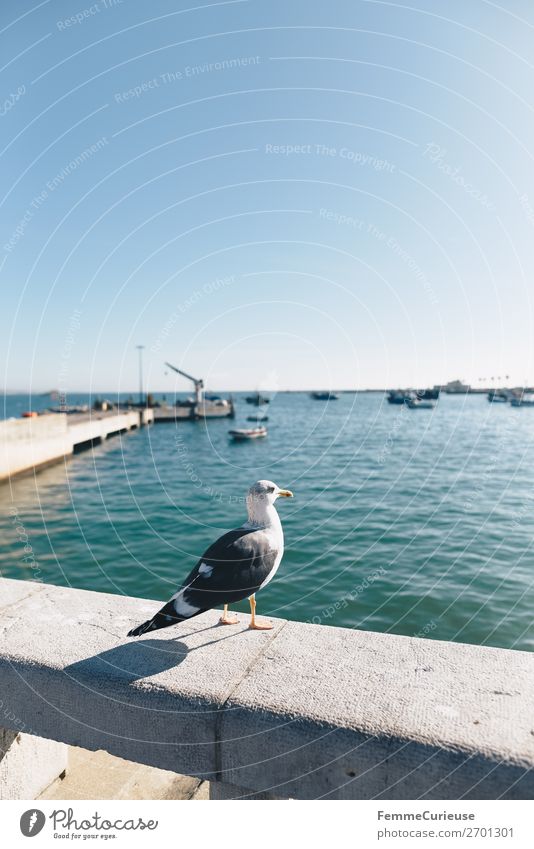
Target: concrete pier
302	711
31	443
196	412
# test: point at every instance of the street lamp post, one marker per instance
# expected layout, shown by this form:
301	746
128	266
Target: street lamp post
140	348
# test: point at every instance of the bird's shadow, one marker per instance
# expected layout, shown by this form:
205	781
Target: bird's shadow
133	661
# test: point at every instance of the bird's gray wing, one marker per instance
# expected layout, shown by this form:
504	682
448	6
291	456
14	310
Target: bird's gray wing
233	568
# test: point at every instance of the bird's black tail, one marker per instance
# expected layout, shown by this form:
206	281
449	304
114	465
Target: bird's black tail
163	618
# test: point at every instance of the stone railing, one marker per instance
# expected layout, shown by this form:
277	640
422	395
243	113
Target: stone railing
302	711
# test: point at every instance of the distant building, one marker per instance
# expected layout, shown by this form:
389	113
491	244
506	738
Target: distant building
456	387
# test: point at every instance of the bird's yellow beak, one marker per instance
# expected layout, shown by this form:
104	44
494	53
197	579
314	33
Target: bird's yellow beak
285	493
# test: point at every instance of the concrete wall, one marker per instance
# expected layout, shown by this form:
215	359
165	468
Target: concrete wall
29	443
146	415
302	711
28	764
100	425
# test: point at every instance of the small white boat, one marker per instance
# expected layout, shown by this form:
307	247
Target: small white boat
242	433
418	404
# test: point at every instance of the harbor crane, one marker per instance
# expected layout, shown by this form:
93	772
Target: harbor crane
203	407
198	383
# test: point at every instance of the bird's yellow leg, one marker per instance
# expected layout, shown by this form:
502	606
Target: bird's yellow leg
254	624
226	619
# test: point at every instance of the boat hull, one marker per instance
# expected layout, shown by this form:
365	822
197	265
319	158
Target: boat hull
421	405
243	434
257	400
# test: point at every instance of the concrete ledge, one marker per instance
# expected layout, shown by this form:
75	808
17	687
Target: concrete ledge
99	775
303	711
33	443
28	764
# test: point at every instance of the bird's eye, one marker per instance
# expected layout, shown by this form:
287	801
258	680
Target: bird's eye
270	489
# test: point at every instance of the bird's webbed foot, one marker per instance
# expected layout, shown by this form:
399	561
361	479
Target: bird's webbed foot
261	625
228	618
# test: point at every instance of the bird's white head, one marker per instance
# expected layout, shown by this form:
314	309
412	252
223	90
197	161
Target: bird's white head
260	501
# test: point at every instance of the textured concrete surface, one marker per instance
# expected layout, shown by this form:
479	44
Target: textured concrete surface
99	775
28	764
13	591
370	715
74	676
302	711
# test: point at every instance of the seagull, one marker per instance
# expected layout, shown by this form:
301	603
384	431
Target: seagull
234	567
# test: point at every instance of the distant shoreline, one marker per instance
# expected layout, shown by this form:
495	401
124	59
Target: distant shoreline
135	393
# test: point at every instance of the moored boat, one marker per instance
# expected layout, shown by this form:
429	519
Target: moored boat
243	433
419	404
429	394
526	400
497	396
257	399
407	396
325	396
400	396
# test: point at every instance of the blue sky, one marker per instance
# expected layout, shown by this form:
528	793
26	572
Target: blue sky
284	194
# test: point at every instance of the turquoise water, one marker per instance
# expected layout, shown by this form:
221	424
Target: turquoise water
411	522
